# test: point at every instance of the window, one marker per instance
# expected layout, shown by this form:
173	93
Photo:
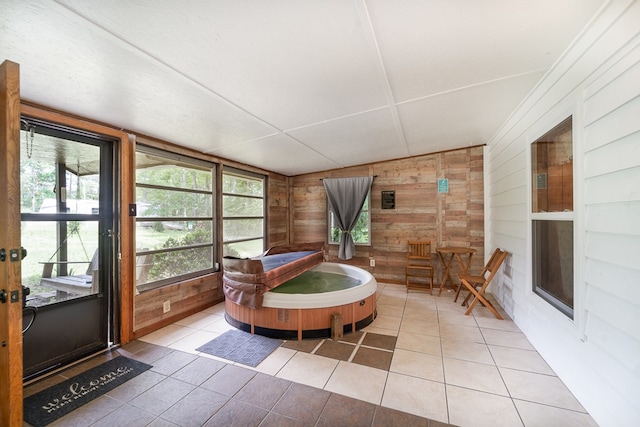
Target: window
243	213
552	217
175	221
360	233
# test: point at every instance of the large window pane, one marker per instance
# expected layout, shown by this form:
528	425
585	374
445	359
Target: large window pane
153	235
237	206
552	169
175	224
242	229
553	267
243	211
167	265
178	172
162	202
246	249
245	185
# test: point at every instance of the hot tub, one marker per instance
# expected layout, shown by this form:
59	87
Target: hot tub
308	315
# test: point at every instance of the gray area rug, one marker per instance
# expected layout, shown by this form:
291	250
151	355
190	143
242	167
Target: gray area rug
241	347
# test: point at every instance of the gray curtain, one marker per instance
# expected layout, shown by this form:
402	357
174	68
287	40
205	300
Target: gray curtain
346	197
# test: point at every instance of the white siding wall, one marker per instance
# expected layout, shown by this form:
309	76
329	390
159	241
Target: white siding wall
598	82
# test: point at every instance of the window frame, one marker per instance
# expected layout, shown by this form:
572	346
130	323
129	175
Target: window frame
198	164
548	216
330	225
231	171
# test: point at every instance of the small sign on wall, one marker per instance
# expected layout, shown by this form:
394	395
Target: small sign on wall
389	199
443	185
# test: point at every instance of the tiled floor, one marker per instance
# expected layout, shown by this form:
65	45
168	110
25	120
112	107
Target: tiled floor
435	366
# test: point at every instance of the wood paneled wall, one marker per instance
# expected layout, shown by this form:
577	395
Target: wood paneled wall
278	210
187	298
455	218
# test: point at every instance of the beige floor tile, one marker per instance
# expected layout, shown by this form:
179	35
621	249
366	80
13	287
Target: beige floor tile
419	326
416	364
480	311
523	360
427	314
357	381
219	326
493	323
387	322
275	361
216	309
394	299
191	342
472	408
445	303
421	303
456	318
538	388
420	343
422	296
416	396
534	414
167	335
472	375
506	339
394	287
308	369
466	350
390	310
199	320
460	332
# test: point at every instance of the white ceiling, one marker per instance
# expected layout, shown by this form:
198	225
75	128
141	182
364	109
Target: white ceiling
291	86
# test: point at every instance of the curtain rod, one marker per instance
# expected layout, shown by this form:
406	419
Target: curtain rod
375	176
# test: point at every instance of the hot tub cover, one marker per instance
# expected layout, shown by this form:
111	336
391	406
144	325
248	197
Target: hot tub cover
245	280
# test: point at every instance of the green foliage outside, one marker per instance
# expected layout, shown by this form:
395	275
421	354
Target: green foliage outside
360	232
169	264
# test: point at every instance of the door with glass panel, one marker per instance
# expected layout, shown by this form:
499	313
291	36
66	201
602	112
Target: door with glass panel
67	223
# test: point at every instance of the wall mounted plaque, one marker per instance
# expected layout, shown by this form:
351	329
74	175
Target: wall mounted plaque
443	185
389	199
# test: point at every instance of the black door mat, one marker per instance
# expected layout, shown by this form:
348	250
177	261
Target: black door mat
52	403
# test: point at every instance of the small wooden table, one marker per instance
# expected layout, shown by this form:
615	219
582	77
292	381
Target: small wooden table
457	253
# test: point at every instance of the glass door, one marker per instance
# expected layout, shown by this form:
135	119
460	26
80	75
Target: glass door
66	201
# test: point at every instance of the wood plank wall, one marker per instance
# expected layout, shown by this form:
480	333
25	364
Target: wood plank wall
455	218
277	210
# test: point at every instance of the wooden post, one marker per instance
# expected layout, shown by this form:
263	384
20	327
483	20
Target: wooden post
11	409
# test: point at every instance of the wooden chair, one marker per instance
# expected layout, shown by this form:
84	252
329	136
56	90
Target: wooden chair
419	267
477	284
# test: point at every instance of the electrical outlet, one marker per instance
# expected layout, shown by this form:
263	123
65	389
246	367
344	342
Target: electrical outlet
372	262
166	306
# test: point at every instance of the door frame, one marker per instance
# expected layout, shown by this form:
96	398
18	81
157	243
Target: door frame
125	253
11	409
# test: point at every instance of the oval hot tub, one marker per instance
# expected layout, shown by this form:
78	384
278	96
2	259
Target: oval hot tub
304	307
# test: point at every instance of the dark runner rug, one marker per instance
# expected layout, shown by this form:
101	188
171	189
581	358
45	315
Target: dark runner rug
56	401
241	347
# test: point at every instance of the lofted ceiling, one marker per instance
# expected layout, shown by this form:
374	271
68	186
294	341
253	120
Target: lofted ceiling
291	86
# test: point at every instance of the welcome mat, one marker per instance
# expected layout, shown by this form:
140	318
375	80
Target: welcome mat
241	347
56	401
